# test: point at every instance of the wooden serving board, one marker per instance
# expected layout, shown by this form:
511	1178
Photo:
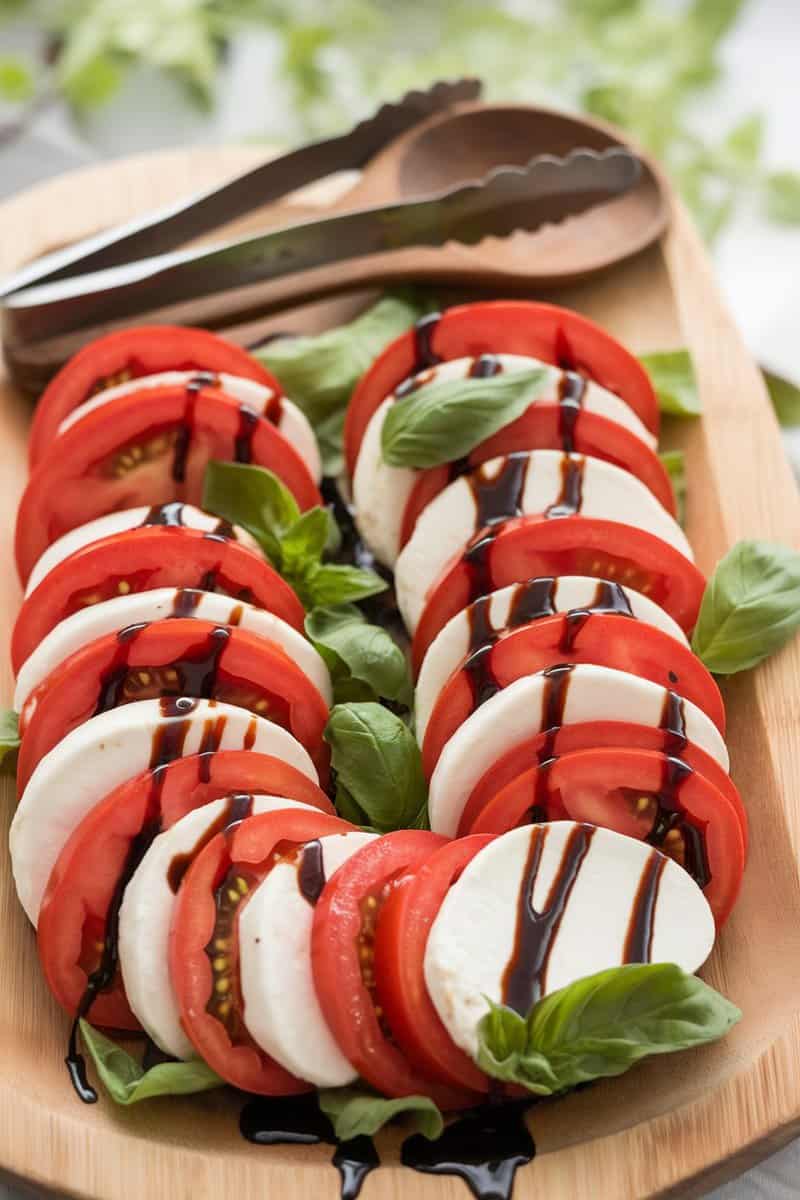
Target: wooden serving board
674	1126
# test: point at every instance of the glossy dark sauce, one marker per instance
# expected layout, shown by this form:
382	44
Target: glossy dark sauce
499	497
574	621
210	742
311	872
530	600
186	601
485	1148
354	1160
556	688
570	497
424	355
170	514
571	391
639	938
197	670
183	436
525	976
485	366
112	681
237	808
243	442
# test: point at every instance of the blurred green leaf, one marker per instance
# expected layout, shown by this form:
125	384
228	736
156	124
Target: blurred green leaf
785	397
16	79
782	197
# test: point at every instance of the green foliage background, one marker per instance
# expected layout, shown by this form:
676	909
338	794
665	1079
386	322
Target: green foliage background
640	63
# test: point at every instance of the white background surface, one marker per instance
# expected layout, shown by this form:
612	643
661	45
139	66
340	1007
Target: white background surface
758	265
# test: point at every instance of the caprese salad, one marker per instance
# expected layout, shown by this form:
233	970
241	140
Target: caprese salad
244	833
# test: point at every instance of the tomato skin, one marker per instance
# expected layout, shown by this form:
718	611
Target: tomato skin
533	545
152	556
539	429
247	849
516	769
607	640
404	924
148	350
544	331
81	475
344	998
203	659
82	883
592	786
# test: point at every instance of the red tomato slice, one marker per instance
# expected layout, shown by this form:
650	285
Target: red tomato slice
342	941
644	795
527	546
130	354
153	556
403	927
209	904
514	773
608	640
147	448
172	658
543	331
540	428
79	901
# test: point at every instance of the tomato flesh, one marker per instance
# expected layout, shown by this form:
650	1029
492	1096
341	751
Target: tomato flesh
342	955
404	924
524	547
131	354
174	657
540	429
607	640
150	557
543	331
204	943
147	448
73	919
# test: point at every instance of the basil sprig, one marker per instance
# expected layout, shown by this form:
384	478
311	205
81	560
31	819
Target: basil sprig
446	419
320	372
127	1082
9	735
601	1026
358	1112
379	778
750	608
672	376
294	542
364	661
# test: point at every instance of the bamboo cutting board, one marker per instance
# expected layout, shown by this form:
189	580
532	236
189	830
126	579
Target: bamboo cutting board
674	1126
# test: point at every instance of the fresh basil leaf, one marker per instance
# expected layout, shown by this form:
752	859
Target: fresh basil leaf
360	652
330	439
320	372
305	541
785	397
377	760
782	197
750	608
675	462
332	583
9	736
357	1111
672	375
127	1083
601	1026
254	498
443	420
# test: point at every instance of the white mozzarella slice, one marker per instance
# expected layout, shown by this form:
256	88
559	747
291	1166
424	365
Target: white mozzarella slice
449	522
131	518
281	1009
381	492
146	916
518	712
454	641
472	941
110	616
293	423
106	751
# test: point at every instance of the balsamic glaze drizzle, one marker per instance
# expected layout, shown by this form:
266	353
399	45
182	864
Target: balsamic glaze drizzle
237	808
571	391
243	442
484	1148
424	330
170	514
570	497
311	872
485	366
639	938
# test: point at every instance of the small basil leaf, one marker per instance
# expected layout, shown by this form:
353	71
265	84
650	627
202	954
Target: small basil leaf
444	420
326	584
672	375
320	372
675	462
356	1111
254	498
377	760
305	541
785	397
602	1025
361	652
9	735
127	1083
750	608
782	195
